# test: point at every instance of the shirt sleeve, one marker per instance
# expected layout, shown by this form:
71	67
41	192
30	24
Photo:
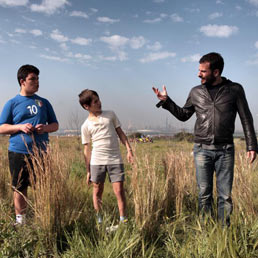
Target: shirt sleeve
51	114
115	120
6	115
85	134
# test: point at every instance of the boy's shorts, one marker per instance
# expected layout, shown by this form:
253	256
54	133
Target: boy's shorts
115	173
19	170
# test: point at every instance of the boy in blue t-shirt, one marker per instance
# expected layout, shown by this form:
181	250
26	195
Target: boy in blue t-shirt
28	119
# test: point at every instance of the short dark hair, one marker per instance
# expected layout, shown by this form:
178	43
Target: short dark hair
215	59
85	97
25	70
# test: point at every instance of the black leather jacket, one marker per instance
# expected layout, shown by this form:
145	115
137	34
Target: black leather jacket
215	122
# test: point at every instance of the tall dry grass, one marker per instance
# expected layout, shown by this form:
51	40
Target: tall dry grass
57	196
5	179
165	185
162	196
243	194
159	186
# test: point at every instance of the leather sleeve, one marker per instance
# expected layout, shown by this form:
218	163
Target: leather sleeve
182	114
246	120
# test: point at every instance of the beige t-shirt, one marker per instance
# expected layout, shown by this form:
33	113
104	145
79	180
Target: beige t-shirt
102	133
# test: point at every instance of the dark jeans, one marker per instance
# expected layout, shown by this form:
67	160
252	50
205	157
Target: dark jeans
222	162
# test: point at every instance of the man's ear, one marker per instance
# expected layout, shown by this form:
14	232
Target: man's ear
216	73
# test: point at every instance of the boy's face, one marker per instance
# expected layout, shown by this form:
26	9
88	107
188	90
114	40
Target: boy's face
95	106
30	85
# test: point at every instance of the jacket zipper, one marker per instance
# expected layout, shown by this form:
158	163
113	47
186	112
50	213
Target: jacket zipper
214	101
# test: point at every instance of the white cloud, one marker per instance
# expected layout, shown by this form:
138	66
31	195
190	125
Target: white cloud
22	31
220	31
82	57
54	58
256	44
108	58
57	36
157	56
79	14
13	2
137	42
215	15
115	41
219	2
122	55
49	6
253	2
36	32
155	47
156	20
193	10
94	10
176	18
28	19
81	41
64	46
14	41
163	15
107	20
192	58
238	7
107	33
158	1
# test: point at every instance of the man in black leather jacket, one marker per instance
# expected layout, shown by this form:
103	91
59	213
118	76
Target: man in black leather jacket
216	103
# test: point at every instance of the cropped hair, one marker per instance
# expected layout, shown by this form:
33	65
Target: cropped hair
215	60
25	70
85	97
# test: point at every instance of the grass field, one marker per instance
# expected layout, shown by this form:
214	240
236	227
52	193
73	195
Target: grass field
161	202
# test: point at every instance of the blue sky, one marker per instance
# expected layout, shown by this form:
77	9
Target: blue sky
122	48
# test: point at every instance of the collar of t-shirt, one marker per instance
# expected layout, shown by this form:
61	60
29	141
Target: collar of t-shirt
213	89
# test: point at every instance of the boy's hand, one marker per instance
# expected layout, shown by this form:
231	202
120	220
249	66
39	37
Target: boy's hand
40	128
27	128
130	156
88	179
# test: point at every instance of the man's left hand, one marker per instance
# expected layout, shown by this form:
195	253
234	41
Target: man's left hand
251	155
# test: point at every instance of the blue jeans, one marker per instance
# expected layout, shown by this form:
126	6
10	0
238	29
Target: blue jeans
220	161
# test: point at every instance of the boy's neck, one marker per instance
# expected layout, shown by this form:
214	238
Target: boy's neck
95	114
24	94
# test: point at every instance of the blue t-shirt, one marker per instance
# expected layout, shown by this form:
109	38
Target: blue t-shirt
21	110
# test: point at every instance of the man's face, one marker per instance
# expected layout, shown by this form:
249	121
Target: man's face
95	106
205	73
30	85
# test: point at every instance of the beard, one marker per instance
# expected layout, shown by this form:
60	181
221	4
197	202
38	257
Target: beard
209	80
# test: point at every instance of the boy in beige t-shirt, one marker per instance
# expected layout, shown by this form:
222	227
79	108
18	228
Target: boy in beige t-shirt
101	128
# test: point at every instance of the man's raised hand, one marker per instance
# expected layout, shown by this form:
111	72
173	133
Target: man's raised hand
161	95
